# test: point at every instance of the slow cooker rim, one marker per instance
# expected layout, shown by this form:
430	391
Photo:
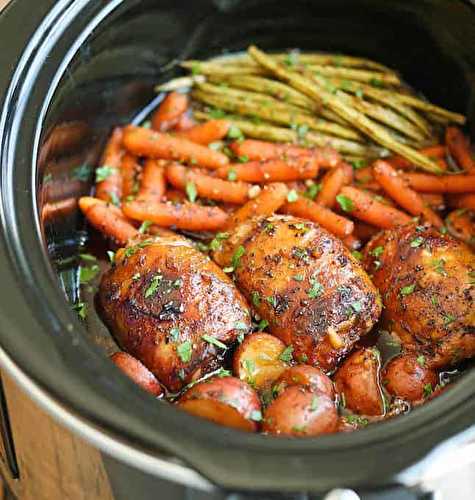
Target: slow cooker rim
415	420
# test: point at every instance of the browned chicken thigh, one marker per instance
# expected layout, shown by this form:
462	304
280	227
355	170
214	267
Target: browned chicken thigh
427	283
173	308
301	280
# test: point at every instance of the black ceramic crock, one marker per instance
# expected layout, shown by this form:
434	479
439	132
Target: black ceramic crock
95	62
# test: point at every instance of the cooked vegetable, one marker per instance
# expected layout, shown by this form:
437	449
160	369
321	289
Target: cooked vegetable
462	201
307	376
208	132
137	372
358	382
461	225
366	208
226	401
129	170
426	183
143	142
107	219
459	147
436	152
168	114
299	411
152	183
183	216
108	175
332	184
259	360
207	186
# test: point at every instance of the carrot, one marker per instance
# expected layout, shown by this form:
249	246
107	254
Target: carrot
108	219
291	169
332	183
207	186
435	201
144	142
110	188
184	123
364	207
307	209
437	152
352	242
365	232
270	199
170	111
403	195
262	150
461	225
182	216
208	132
129	169
153	183
175	196
462	201
459	147
427	183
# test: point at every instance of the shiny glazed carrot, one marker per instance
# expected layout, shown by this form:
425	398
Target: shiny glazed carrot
170	111
110	188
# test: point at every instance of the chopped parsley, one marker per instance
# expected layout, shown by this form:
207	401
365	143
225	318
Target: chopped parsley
184	351
292	196
175	334
81	309
213	341
82	173
216	242
287	354
243	159
356	306
153	287
145	226
263	324
235	261
86	274
255	298
357	164
357	420
272	301
102	173
421	360
448	319
232	175
115	200
111	256
191	191
407	290
298	277
439	267
235	133
312	191
377	252
256	415
357	255
316	290
291	59
314	404
345	203
417	242
428	390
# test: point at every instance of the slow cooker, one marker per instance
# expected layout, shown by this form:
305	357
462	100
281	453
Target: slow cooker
94	64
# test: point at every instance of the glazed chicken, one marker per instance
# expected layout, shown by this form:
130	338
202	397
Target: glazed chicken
301	280
426	281
172	308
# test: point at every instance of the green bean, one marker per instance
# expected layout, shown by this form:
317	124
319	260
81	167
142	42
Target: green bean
268	109
214	68
183	82
304	84
269	132
358	75
431	109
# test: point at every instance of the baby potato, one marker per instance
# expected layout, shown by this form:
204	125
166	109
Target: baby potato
358	382
137	372
308	376
408	377
224	400
260	360
299	411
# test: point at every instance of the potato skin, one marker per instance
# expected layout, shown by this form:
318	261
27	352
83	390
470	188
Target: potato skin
299	411
426	283
137	372
308	376
358	382
259	354
406	376
226	401
306	284
161	297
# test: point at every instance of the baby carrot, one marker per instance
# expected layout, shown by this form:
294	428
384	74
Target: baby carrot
129	169
332	183
182	216
108	219
262	150
307	209
184	123
269	200
462	201
427	183
153	183
109	187
170	111
144	142
291	169
461	225
365	232
459	147
403	195
208	132
364	207
436	152
352	242
436	201
207	186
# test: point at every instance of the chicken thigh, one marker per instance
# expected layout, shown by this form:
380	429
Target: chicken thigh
427	283
172	308
301	280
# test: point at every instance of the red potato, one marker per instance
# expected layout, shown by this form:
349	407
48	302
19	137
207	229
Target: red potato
357	382
408	377
461	225
137	372
299	411
308	376
225	401
258	361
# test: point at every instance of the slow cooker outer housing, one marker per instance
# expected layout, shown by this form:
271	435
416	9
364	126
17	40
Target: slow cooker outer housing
96	61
